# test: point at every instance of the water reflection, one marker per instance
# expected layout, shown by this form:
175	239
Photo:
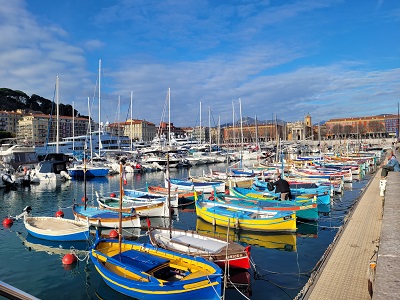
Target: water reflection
286	242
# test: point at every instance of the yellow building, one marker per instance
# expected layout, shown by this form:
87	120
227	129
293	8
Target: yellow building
370	127
37	129
137	130
9	120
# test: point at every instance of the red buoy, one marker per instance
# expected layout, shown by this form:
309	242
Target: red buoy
7	222
83	199
60	214
113	234
113	195
226	192
68	259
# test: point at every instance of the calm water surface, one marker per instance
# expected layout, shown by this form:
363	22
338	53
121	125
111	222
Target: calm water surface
282	262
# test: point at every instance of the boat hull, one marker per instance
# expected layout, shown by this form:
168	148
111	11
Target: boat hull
56	229
104	218
223	215
192	243
129	273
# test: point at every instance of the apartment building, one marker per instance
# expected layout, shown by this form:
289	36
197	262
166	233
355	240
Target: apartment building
9	120
137	130
38	129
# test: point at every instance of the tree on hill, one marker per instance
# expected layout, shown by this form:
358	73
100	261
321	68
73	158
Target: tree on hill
11	100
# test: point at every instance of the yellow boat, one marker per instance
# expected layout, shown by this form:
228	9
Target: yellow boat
254	219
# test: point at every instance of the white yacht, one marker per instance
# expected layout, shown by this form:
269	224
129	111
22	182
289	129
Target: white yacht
71	145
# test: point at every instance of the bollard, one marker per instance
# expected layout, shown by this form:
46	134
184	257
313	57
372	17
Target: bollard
382	187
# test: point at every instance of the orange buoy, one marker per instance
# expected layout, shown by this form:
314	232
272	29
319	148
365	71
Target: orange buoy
113	195
113	234
68	259
83	199
60	214
7	222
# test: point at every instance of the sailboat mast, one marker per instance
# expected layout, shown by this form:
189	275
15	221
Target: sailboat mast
99	104
241	123
219	131
209	126
73	125
255	120
169	198
200	125
169	117
58	116
233	123
120	205
131	122
90	131
118	122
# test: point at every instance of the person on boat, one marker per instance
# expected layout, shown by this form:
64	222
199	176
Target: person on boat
392	164
282	186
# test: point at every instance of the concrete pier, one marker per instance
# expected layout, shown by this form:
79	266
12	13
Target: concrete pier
387	278
369	235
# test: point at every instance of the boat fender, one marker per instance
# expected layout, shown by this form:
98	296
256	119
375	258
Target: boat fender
113	234
69	259
7	222
60	214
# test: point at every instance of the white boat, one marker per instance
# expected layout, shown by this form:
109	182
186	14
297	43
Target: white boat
144	208
71	145
51	170
18	156
192	243
55	228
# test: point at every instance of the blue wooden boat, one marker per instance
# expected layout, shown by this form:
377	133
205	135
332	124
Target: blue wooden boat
143	271
322	192
205	187
305	208
105	217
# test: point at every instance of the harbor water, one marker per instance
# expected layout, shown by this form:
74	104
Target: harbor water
282	263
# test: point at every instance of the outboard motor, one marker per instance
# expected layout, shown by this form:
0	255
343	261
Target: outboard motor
64	175
7	180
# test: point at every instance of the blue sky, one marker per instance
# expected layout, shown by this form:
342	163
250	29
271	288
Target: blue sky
330	58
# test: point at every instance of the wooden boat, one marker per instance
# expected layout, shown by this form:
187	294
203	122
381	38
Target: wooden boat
228	178
137	195
104	217
192	243
184	196
279	241
245	218
152	208
56	228
205	187
145	272
305	209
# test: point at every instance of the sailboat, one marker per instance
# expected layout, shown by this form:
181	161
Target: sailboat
53	167
143	271
91	170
